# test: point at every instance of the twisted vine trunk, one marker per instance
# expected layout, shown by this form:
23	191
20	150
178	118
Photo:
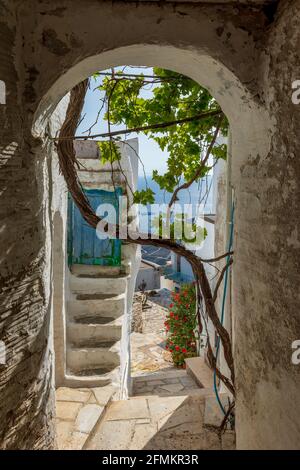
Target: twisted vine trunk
68	164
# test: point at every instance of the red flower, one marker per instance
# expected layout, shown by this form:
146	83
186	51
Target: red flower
167	347
171	314
177	348
177	317
187	306
183	350
171	305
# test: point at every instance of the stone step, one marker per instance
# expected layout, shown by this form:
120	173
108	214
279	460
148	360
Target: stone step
197	368
96	320
84	343
161	375
86	358
91	296
87	331
84	285
93	377
91	270
101	178
95	165
109	307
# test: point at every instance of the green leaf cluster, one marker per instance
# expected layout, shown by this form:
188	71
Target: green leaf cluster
180	228
144	196
174	96
109	151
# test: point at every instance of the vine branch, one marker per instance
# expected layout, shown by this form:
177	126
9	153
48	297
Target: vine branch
68	164
161	125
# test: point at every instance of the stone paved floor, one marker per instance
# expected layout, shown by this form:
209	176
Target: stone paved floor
166	383
148	353
154	316
77	412
166	411
157	423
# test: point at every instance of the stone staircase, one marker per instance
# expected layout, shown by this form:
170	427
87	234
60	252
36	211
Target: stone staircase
94	326
99	298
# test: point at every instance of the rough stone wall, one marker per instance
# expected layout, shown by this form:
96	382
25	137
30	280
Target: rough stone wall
26	380
149	318
248	61
267	268
137	314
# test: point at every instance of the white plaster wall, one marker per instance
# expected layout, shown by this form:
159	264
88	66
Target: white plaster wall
89	155
131	255
59	204
248	60
151	276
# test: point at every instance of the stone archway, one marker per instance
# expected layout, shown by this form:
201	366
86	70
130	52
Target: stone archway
234	53
235	100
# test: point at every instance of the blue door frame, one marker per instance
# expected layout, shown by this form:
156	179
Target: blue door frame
84	247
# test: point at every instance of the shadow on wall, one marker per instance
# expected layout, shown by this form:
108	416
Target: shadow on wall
59	295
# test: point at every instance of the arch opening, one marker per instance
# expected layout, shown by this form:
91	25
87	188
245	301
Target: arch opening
243	112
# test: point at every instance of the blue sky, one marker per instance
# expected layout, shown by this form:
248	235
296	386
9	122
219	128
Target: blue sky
149	151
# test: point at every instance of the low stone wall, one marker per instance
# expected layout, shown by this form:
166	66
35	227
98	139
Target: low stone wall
148	318
137	314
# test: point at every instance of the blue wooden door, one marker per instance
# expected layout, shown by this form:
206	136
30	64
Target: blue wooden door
84	247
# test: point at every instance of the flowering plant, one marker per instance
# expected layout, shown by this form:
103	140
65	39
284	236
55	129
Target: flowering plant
180	325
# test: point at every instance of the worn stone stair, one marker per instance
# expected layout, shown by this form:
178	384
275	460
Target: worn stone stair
94	327
98	298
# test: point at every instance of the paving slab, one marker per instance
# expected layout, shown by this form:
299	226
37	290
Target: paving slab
188	382
72	394
112	435
153	382
186	418
67	411
77	441
163	406
104	394
87	418
142	436
172	388
64	430
127	410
